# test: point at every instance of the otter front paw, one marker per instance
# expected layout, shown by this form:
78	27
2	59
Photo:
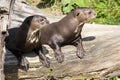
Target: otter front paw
24	64
46	62
59	57
80	54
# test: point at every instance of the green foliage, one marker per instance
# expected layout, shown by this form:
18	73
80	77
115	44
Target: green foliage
68	5
30	1
46	3
108	11
50	74
116	78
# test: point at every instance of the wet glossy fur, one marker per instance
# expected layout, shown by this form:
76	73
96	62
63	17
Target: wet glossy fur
26	39
67	31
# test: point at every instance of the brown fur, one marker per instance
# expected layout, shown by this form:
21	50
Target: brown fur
67	31
26	39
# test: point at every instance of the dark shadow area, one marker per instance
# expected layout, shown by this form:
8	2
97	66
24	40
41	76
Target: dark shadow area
89	38
11	73
30	54
33	54
23	35
11	33
46	3
10	67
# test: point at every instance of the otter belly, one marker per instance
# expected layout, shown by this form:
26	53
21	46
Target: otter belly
71	40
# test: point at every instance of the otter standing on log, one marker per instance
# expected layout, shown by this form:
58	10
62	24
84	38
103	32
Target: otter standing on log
67	31
26	39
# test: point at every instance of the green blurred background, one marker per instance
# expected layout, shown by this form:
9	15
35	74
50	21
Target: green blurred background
108	11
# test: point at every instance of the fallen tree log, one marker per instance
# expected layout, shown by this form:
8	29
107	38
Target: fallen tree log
101	61
5	10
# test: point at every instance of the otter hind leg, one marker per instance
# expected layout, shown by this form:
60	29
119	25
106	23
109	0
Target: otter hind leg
41	52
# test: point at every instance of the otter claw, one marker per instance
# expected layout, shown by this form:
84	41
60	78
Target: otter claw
24	64
59	58
80	54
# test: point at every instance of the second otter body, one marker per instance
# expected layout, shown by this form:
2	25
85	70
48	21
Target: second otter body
67	31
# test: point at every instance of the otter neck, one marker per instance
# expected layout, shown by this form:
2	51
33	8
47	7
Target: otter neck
71	20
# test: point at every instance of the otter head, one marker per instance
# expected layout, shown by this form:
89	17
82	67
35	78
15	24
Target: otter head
36	24
38	21
84	14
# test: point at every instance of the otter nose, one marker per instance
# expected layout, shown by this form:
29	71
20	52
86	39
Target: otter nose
47	22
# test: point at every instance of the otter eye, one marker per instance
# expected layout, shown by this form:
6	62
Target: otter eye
78	14
41	19
89	12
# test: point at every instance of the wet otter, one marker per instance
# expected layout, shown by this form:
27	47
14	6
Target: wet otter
26	39
67	31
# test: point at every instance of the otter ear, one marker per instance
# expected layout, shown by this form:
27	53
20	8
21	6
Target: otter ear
76	13
28	19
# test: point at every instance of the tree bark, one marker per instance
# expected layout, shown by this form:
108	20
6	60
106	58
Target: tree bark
5	6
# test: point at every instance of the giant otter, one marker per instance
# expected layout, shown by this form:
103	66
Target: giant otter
67	31
26	39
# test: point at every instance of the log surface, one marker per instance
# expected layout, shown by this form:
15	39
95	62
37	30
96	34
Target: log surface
101	42
5	7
